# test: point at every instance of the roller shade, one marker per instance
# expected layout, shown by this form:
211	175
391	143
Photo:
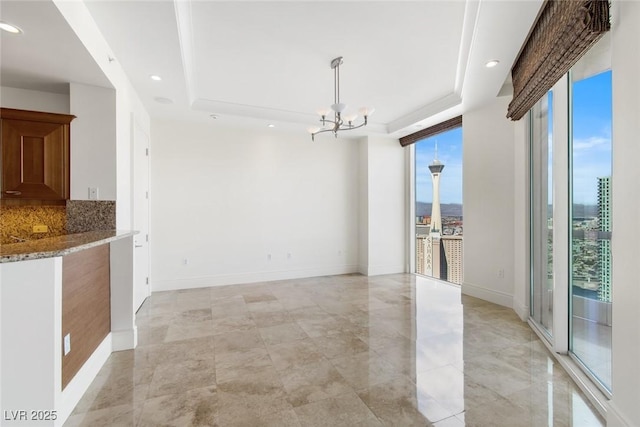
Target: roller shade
563	32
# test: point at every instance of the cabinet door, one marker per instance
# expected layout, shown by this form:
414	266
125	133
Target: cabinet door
35	160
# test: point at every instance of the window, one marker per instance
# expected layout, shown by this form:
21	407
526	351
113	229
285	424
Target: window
590	338
571	214
438	195
541	167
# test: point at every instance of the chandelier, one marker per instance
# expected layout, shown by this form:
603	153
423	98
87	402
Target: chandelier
341	120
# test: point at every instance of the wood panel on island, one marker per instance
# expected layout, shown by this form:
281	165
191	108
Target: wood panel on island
86	308
35	149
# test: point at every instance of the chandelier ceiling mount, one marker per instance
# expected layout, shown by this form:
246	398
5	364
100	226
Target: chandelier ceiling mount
341	120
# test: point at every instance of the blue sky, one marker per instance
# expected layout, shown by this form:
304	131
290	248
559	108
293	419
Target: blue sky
591	147
591	135
450	154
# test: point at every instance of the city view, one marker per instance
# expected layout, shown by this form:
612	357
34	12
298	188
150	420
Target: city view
439	220
591	266
591	190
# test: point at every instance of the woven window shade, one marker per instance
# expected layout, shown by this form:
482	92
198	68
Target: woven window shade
430	131
563	32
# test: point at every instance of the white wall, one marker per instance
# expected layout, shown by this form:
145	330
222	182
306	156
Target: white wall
383	203
23	99
128	107
625	58
93	132
224	199
31	336
93	141
363	206
488	194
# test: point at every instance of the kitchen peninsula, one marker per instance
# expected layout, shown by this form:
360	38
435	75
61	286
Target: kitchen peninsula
66	302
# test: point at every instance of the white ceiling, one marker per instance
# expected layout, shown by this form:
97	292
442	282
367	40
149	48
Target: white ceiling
262	62
48	55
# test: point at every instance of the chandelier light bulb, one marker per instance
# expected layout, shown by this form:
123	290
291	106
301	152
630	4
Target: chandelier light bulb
324	112
367	111
351	117
313	129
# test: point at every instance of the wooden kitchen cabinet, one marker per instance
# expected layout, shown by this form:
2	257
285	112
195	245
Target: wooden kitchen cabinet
35	155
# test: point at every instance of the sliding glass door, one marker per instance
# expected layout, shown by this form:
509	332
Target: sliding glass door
571	264
541	167
590	302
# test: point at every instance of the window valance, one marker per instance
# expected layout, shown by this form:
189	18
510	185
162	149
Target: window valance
431	131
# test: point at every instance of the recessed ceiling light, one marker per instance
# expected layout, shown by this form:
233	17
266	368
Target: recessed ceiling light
162	100
492	63
271	125
214	116
155	77
10	28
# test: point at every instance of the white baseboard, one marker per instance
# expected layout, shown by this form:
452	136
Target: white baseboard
76	388
379	270
496	297
615	418
125	339
521	310
254	277
363	269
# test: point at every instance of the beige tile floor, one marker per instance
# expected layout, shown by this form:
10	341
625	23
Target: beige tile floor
395	350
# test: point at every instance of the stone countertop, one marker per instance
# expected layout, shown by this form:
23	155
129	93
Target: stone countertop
60	245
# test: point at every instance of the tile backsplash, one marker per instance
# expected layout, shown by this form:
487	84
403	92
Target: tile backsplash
89	215
17	222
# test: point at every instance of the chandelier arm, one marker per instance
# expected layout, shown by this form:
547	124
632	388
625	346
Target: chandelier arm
321	131
352	127
335	129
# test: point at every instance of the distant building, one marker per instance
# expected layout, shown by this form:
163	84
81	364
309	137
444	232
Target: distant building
422	229
438	255
426	219
421	241
452	246
436	219
604	245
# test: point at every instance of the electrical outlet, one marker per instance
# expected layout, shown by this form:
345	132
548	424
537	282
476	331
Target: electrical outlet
67	344
93	193
41	228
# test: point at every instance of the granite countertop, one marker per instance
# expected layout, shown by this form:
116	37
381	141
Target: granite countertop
60	245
